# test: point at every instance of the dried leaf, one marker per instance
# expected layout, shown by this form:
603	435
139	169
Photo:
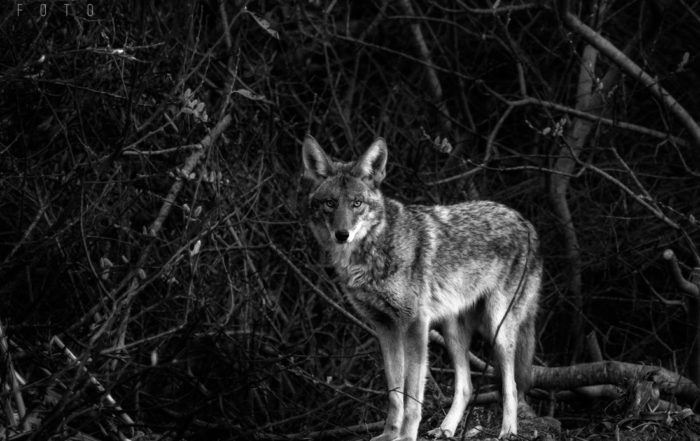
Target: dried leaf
250	95
263	23
105	262
684	61
196	248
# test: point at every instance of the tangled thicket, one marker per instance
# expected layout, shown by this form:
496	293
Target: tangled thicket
150	195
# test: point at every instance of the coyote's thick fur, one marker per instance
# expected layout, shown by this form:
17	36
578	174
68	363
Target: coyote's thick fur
473	266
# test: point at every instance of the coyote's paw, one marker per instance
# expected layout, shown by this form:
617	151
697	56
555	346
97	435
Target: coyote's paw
440	433
386	437
507	436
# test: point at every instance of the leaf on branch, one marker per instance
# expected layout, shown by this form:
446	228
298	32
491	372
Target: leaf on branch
250	95
445	146
195	250
684	61
106	265
559	127
194	107
105	262
556	131
264	24
442	145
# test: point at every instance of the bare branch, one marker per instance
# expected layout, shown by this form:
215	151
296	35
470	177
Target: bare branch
190	163
601	120
682	282
629	66
614	372
93	380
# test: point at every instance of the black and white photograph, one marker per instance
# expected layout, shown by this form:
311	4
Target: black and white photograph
350	220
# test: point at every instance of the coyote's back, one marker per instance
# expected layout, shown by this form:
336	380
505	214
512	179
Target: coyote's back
468	267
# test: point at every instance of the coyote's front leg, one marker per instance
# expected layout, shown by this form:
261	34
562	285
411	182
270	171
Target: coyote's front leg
415	367
457	332
392	346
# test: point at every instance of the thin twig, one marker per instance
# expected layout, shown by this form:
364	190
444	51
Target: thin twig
322	294
42	208
55	340
640	199
162	151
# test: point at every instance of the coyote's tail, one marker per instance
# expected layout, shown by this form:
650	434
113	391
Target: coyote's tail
524	354
525	347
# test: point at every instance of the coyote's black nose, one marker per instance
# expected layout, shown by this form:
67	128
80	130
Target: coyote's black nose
341	236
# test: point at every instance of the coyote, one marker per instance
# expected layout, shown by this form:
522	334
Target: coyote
473	266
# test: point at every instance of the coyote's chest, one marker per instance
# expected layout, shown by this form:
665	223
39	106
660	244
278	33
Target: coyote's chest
366	265
375	283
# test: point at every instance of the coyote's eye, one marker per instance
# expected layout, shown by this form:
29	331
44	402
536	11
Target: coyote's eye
330	203
356	203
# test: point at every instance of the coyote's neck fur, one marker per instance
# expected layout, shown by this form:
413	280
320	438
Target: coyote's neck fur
367	260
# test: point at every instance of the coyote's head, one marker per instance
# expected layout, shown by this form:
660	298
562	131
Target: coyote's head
345	201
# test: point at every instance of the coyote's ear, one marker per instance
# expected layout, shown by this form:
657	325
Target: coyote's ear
317	165
372	164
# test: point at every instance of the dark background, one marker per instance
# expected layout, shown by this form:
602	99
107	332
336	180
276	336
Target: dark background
100	107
